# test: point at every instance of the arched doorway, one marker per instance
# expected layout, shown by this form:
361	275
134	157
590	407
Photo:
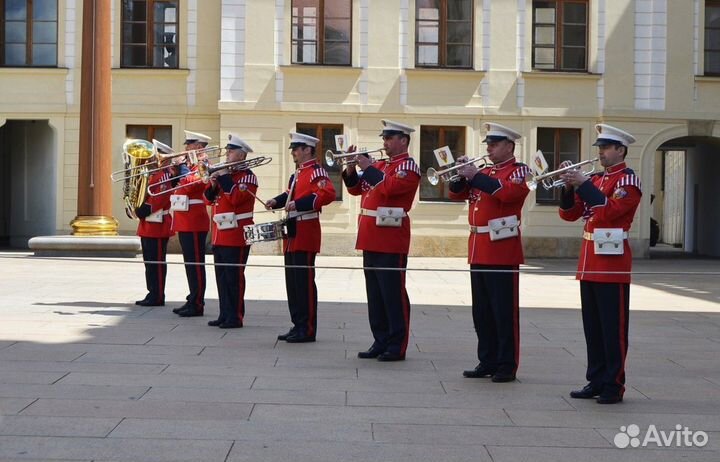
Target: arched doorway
27	181
686	189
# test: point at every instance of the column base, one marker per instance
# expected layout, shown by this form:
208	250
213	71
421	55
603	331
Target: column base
85	246
94	225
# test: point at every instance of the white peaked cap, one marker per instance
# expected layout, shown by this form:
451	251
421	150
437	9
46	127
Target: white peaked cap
497	132
300	138
236	142
191	137
607	134
162	147
394	128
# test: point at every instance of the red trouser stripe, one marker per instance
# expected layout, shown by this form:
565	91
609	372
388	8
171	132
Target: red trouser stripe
621	334
405	305
160	271
312	308
516	318
198	269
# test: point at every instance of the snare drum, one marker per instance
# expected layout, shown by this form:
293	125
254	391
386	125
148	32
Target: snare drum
263	232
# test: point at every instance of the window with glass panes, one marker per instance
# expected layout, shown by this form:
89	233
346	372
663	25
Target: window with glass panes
444	33
712	37
161	133
28	33
149	34
431	138
326	134
557	146
560	31
321	32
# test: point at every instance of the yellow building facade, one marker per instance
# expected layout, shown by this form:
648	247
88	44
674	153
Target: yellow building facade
444	67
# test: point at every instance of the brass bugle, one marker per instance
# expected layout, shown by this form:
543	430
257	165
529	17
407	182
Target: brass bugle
205	170
547	179
348	158
450	173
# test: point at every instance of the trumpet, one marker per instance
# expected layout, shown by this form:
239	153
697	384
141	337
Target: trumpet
205	171
450	173
344	159
547	181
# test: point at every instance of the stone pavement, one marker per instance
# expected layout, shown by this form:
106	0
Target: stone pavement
85	375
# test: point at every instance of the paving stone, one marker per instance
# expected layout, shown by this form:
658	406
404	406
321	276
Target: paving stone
24	425
243	430
116	449
143	409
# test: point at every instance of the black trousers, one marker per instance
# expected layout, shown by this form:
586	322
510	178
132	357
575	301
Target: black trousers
193	250
231	282
388	302
155	249
302	291
605	312
495	309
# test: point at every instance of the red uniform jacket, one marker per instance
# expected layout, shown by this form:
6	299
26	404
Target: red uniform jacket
159	203
232	194
606	200
497	191
196	218
386	183
312	190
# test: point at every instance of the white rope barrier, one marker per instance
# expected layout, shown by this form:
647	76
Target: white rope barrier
362	268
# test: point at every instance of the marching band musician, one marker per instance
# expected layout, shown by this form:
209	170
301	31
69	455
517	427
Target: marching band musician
387	189
309	189
191	222
495	195
231	192
155	230
607	201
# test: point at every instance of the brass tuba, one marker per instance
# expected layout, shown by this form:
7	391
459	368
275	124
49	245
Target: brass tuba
137	157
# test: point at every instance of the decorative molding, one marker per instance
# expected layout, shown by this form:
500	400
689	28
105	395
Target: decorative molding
192	39
70	50
232	50
279	49
601	44
650	54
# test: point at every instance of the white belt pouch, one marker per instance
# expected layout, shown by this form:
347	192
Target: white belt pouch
179	203
225	220
608	241
504	227
155	217
389	217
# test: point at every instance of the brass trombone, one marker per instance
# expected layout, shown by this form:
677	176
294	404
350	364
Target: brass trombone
450	173
547	181
205	170
344	159
159	158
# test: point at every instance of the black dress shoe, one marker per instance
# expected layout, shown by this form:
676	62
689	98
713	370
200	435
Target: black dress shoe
230	325
300	337
479	372
215	322
588	392
609	398
371	353
149	303
502	377
180	308
190	312
287	334
390	356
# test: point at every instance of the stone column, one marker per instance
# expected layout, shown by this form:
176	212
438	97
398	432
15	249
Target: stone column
94	203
